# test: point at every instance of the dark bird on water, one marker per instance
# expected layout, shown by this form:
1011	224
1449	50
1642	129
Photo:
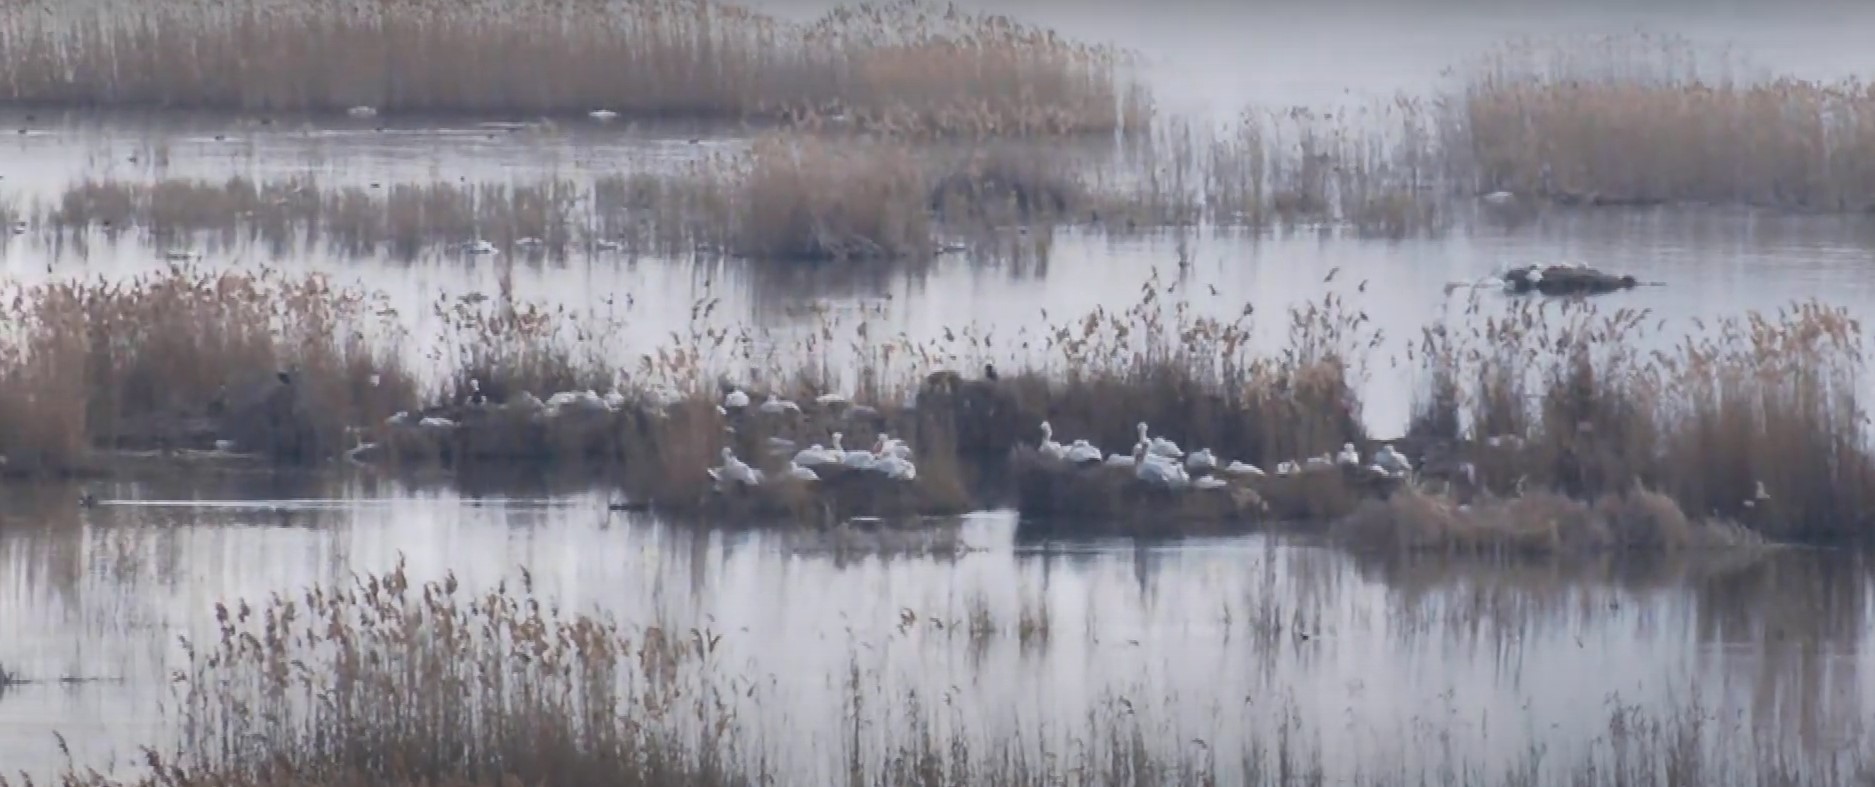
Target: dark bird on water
989	371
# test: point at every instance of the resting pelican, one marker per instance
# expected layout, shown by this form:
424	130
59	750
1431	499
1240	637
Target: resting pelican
896	468
1083	453
1240	468
1201	460
735	470
736	399
1391	461
1158	446
799	473
1210	482
1049	447
1349	455
777	405
1158	470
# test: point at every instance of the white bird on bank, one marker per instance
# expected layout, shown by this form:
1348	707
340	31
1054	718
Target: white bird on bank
830	400
735	471
602	115
1499	198
1287	467
436	422
362	111
1083	453
479	246
798	473
896	468
1210	482
858	460
1124	460
1391	461
1049	447
1158	446
815	456
1158	471
1201	460
1243	469
776	405
1349	455
888	445
736	399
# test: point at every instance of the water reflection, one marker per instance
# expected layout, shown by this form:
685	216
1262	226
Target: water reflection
1225	640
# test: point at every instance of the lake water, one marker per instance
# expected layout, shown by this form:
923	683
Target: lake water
1411	667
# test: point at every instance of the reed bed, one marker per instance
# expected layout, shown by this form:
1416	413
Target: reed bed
789	198
385	681
1756	421
140	363
1642	121
898	67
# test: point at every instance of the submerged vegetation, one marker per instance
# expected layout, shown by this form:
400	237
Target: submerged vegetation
896	67
1756	422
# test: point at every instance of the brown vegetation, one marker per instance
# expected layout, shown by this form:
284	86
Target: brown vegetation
1758	421
386	682
896	67
1625	122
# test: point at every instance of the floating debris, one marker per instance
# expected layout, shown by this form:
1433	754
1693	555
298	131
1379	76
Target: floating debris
1565	279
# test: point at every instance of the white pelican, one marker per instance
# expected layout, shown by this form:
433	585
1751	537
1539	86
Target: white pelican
887	445
530	243
1499	198
1158	470
1209	482
614	401
1124	460
1201	460
602	115
1083	453
1287	468
362	111
895	468
1049	447
1318	463
1348	456
1243	469
1393	462
736	399
476	397
604	244
799	473
776	405
1158	446
735	470
814	456
436	422
830	400
479	246
401	418
860	460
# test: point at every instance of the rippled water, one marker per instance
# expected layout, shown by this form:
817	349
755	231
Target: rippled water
1407	662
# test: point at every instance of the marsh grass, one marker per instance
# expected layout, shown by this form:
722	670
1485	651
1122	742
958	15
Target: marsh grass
1762	399
1549	397
1642	120
386	681
898	67
139	363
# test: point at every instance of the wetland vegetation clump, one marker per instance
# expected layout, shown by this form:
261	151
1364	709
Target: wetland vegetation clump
184	359
896	67
1634	121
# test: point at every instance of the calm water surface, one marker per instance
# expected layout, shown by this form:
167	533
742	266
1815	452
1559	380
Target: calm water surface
1410	665
1199	636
